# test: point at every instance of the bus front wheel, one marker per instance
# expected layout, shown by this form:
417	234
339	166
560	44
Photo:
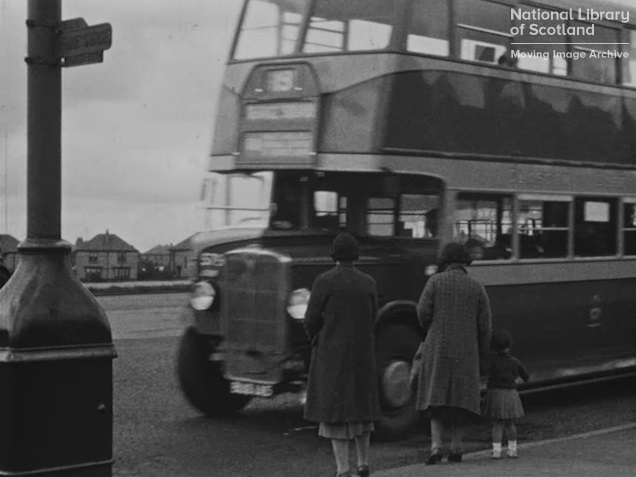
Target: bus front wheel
202	381
396	345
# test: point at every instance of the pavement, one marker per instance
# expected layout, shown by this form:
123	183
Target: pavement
604	453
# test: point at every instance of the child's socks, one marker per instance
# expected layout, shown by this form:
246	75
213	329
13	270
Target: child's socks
496	450
512	448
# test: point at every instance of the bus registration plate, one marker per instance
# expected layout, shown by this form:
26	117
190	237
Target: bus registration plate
251	389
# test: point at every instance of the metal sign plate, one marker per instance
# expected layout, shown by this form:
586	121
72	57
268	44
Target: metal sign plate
86	59
73	24
83	40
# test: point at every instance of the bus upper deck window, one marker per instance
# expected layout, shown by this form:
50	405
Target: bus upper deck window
594	68
629	69
270	28
536	56
428	28
484	30
354	25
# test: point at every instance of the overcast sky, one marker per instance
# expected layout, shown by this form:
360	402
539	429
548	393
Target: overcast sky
136	128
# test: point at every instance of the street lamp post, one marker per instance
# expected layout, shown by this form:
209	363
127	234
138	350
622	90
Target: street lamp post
56	347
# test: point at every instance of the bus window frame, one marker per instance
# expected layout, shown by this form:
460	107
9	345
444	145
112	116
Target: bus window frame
456	29
620	27
404	32
394	45
612	201
622	229
617	72
392	211
397	42
518	196
628	33
569	198
619	228
237	32
400	212
485	195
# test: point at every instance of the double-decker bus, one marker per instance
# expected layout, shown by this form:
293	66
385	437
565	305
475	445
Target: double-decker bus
411	123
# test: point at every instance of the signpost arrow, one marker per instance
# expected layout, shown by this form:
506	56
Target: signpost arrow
73	24
80	44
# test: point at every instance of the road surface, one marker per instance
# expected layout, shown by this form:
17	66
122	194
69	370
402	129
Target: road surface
157	434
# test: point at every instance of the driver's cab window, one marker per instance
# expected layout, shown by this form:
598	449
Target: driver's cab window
305	201
286	207
364	204
403	206
329	210
418	216
381	216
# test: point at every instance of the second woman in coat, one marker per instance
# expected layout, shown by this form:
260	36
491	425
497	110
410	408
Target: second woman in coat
454	312
342	392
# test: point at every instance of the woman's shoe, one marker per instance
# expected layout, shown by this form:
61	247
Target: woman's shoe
363	471
434	458
455	457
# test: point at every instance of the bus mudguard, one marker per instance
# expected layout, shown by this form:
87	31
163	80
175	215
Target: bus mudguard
398	311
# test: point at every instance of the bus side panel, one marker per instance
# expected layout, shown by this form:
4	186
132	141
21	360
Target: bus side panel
564	329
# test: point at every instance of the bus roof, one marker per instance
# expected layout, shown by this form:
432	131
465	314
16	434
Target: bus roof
603	5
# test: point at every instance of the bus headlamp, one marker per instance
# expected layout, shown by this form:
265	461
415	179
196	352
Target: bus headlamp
203	295
297	303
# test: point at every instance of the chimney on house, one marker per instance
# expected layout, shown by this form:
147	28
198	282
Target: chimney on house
79	242
107	238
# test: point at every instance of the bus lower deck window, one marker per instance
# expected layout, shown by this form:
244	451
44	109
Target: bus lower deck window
594	227
543	227
629	227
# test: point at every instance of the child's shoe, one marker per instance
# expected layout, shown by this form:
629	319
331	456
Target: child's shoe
455	456
512	449
434	458
363	471
496	451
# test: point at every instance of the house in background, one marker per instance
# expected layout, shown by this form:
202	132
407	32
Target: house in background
105	257
155	264
159	255
9	251
181	256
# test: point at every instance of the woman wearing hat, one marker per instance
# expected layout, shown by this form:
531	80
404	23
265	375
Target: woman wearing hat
342	390
454	312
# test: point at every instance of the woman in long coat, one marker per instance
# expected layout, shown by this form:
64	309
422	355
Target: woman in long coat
342	392
454	311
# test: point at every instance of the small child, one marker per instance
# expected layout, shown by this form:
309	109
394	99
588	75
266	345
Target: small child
502	405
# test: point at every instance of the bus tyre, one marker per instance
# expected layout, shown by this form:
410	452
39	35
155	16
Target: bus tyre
396	345
202	381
